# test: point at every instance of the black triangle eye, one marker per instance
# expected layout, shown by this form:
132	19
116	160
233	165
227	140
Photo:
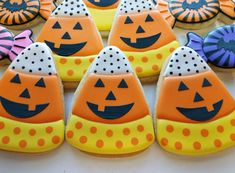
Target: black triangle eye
123	84
77	26
99	83
16	79
128	20
149	19
206	83
182	87
56	26
40	83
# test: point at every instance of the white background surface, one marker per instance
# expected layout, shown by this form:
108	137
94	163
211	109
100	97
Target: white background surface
67	159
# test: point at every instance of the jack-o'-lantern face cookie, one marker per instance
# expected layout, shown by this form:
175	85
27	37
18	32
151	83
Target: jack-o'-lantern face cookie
198	119
144	36
75	39
19	12
31	108
110	114
100	10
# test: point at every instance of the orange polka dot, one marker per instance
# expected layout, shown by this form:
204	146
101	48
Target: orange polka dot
220	128
155	67
233	122
5	140
217	143
170	128
49	129
131	58
178	145
77	61
100	143
109	133
83	139
197	145
22	143
63	60
232	136
78	125
2	125
138	69
41	142
126	131
91	60
70	72
159	56
70	134
171	49
140	128
186	132
149	137
93	130
119	144
32	132
56	139
134	141
144	59
164	141
17	130
204	132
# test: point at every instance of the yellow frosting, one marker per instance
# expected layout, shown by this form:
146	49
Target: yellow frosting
100	138
30	138
196	139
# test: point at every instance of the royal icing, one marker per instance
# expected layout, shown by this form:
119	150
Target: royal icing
117	120
134	31
71	43
31	114
193	121
216	47
17	12
227	7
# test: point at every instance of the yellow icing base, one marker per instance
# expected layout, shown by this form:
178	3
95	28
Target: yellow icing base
196	139
100	138
30	138
103	18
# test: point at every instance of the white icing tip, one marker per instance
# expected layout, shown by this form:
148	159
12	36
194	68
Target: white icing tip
111	61
71	8
35	59
185	61
135	6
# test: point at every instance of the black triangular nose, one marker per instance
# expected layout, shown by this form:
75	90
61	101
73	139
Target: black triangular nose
25	94
66	36
140	30
110	96
197	97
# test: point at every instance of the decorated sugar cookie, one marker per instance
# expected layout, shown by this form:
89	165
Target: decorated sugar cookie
200	118
217	47
11	45
110	114
75	40
31	109
227	9
103	12
16	13
144	36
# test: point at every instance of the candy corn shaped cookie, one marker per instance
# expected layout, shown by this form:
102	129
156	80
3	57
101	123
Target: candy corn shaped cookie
103	12
24	13
145	37
73	37
31	108
110	115
194	112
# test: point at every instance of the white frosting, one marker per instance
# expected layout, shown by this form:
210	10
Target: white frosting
185	61
35	59
110	61
135	6
71	8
